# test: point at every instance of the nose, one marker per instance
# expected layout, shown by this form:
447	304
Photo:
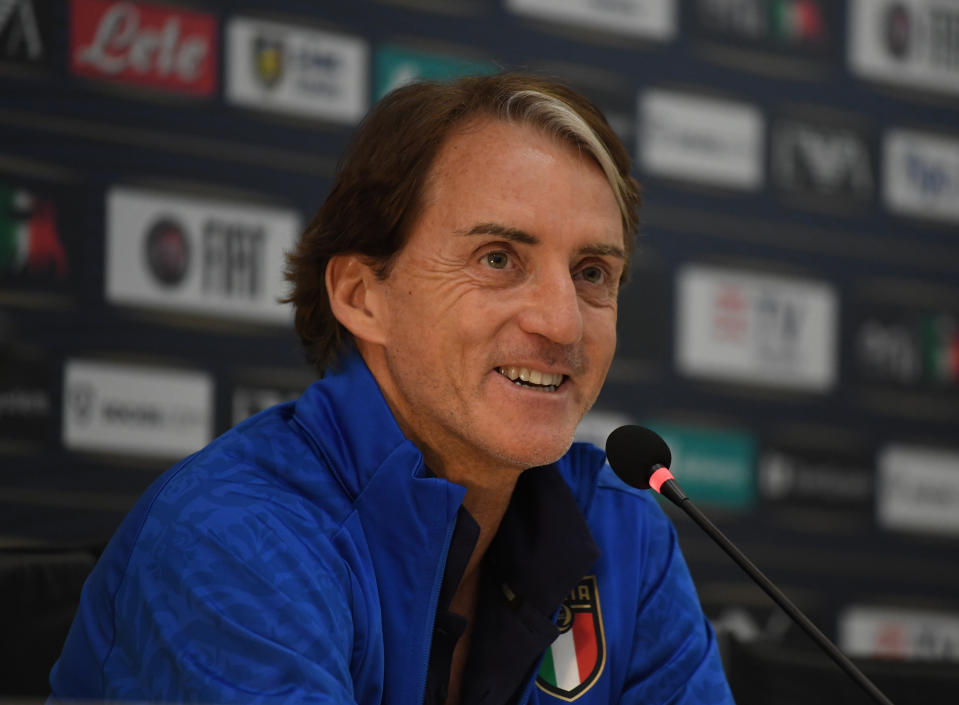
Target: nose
552	307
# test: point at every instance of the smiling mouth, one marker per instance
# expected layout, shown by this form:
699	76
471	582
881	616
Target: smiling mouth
532	379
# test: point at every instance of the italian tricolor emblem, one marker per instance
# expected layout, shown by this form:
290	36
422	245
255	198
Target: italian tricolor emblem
574	662
28	233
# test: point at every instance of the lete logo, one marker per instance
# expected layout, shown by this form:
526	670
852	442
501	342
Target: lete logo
147	44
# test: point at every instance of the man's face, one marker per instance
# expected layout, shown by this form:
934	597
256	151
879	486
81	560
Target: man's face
500	311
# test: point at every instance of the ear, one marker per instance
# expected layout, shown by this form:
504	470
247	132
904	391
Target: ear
352	286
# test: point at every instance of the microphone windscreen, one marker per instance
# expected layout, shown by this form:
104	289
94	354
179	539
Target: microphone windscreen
634	452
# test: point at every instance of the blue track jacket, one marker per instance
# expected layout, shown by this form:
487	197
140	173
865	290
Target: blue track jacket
298	558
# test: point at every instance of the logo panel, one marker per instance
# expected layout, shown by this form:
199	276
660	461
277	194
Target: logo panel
897	633
717	466
289	69
649	19
396	66
918	489
598	423
25	405
836	489
797	26
137	410
24	31
197	255
823	162
921	174
914	43
699	139
575	660
147	44
911	348
740	326
31	248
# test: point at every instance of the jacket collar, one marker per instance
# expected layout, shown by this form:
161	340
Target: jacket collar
349	424
405	515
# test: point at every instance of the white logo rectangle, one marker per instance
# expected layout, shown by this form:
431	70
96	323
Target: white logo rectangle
741	326
894	633
921	174
914	43
700	139
300	71
197	255
918	489
138	410
650	19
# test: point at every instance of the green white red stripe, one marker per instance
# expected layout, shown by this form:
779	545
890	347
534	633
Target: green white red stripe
28	234
572	658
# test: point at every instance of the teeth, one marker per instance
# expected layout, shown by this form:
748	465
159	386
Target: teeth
524	374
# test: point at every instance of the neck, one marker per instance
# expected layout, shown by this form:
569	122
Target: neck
489	481
488	493
487	504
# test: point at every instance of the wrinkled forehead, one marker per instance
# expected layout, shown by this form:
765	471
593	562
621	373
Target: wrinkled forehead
475	123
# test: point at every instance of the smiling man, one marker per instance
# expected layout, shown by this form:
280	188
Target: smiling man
419	526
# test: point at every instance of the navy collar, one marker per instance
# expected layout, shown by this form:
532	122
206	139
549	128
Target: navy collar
542	549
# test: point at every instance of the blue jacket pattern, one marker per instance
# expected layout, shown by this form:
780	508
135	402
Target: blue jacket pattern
298	558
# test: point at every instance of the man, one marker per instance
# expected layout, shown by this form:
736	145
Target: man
417	527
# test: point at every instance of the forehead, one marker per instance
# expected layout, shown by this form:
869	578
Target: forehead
487	139
489	161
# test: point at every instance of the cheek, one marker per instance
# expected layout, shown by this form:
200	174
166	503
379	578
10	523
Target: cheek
407	332
600	329
421	328
433	299
407	303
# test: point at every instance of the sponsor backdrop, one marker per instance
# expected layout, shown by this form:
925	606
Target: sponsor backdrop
791	327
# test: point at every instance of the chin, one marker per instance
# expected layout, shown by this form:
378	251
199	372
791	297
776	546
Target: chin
535	454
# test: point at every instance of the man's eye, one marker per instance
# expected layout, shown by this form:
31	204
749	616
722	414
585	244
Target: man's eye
497	260
593	275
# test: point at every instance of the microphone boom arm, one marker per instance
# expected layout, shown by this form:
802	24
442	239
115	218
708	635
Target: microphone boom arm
671	490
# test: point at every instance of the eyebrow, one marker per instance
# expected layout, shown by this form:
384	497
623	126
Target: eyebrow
521	236
511	234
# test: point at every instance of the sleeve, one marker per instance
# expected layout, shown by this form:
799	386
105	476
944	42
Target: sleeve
675	658
226	606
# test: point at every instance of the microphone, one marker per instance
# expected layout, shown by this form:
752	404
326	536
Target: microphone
641	458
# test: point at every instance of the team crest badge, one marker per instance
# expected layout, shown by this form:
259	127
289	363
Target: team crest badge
268	60
574	662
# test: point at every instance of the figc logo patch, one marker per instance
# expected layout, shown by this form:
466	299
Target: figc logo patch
574	662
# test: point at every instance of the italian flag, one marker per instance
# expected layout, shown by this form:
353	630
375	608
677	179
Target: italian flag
940	347
28	234
797	19
572	658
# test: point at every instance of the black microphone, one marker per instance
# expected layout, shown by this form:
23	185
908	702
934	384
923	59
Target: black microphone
641	458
